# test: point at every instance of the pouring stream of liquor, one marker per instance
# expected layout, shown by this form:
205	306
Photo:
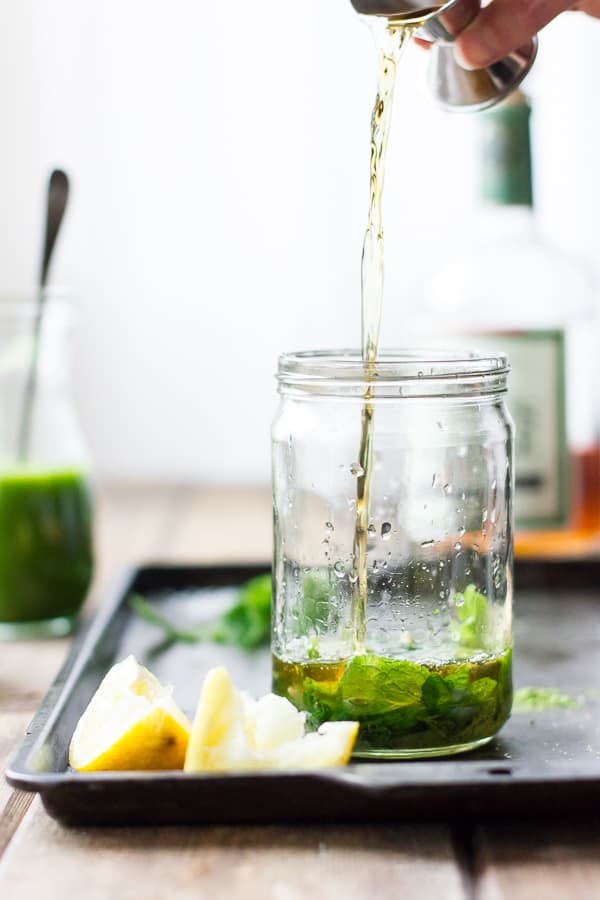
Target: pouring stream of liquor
391	42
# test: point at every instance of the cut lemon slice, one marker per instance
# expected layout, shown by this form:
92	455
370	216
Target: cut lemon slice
131	723
232	732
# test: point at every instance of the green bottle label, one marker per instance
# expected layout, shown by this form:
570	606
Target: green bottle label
506	154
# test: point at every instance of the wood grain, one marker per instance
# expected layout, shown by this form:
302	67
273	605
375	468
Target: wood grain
223	525
26	670
281	863
13	804
133	525
13	725
548	860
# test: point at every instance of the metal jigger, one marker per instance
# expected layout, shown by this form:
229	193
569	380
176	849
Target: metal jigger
455	88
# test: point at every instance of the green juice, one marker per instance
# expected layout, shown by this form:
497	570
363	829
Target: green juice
45	544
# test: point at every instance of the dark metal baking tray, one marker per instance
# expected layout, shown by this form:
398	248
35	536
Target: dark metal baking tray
541	762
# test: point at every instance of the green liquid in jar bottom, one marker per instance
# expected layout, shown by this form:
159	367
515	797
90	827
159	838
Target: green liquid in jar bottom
45	544
404	708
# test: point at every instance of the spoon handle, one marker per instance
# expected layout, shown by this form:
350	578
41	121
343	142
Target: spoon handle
58	195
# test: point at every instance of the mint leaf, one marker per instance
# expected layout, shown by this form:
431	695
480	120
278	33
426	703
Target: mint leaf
401	703
321	700
380	685
460	679
172	634
483	689
316	591
472	618
537	699
247	624
437	694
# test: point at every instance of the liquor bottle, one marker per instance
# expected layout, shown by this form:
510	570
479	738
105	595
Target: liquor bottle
513	292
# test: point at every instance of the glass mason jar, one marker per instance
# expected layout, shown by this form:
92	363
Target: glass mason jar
45	502
393	587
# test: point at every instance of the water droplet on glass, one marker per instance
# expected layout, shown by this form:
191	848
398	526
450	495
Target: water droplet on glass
375	566
420	374
461	531
447	488
353	576
484	516
459	600
493	517
386	531
458	545
339	569
329	527
433	480
357	470
427	543
494	485
371	531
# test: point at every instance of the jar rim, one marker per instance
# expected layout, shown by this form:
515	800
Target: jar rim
414	372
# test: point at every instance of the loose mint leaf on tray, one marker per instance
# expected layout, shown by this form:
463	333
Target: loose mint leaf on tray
246	624
172	634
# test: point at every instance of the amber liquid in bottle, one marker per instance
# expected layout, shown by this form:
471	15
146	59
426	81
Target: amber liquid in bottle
581	535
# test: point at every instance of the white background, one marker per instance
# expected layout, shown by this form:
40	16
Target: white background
219	160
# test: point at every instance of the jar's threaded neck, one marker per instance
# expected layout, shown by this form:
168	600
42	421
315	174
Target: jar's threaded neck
396	374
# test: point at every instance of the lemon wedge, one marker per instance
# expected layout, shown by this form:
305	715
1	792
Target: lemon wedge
232	732
131	723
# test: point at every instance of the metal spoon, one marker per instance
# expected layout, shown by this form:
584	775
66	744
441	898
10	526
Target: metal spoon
58	194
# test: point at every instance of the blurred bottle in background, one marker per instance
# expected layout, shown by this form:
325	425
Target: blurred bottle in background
512	292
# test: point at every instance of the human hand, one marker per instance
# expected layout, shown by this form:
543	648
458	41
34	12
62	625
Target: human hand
505	25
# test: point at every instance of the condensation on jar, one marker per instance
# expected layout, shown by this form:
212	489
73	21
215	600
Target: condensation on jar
413	636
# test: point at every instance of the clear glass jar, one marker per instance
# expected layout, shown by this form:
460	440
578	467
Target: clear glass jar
429	674
45	502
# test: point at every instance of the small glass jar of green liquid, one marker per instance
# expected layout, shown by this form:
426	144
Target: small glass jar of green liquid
393	547
46	550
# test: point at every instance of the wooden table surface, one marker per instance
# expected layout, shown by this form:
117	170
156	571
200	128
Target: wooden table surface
40	859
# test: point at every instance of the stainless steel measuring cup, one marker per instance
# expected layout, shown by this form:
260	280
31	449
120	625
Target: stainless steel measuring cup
453	87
